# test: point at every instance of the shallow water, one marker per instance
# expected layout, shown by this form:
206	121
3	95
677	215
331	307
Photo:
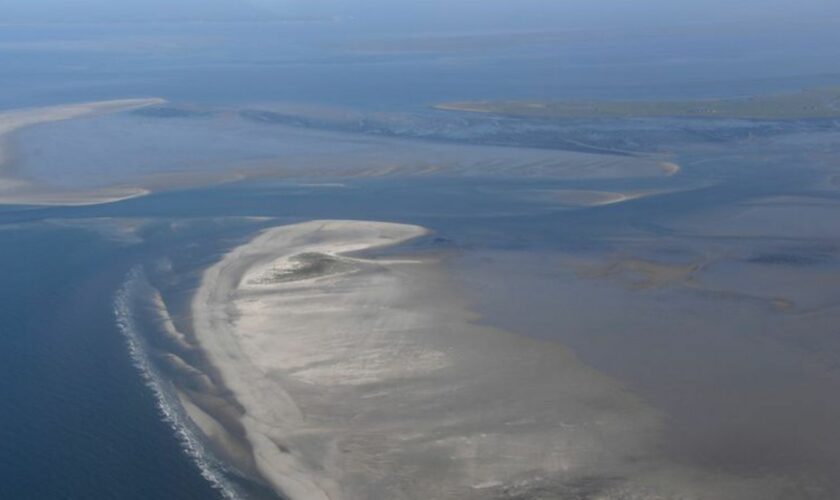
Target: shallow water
77	419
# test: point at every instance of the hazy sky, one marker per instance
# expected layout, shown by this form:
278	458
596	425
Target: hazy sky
433	14
361	51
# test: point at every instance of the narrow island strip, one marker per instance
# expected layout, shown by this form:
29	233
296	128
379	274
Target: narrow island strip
821	103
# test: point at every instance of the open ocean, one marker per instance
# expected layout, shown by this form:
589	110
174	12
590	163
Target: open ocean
78	419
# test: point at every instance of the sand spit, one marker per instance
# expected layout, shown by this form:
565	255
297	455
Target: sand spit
365	378
26	193
23	191
19	118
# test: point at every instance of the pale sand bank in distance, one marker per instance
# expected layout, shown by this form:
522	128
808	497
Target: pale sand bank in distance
586	198
20	191
27	194
805	104
18	118
581	198
365	378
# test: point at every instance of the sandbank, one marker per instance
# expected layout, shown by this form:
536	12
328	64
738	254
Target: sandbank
361	377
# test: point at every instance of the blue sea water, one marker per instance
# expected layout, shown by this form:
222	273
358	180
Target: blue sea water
77	420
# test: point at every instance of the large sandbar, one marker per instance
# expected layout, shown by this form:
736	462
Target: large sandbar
362	377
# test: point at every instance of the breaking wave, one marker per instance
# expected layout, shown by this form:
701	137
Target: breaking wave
167	401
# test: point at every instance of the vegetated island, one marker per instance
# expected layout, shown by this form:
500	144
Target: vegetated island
806	104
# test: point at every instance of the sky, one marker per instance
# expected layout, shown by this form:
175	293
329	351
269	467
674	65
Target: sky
426	15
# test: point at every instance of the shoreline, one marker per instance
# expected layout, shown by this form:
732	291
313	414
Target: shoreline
171	406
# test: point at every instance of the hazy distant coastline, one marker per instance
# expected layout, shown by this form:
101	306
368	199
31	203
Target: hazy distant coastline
807	104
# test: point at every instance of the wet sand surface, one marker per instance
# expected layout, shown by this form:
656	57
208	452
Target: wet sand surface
370	377
491	341
530	323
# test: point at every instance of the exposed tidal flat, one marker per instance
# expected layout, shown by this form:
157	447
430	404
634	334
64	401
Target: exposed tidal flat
486	320
130	148
486	341
369	377
167	146
355	359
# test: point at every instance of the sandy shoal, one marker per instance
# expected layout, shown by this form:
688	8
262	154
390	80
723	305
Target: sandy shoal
366	377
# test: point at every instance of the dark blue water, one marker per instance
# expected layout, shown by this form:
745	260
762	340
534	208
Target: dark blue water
77	420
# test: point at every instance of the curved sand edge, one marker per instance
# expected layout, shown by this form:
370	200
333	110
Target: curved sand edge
368	378
217	335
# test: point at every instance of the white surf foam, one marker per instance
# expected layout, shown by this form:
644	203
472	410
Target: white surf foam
167	402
